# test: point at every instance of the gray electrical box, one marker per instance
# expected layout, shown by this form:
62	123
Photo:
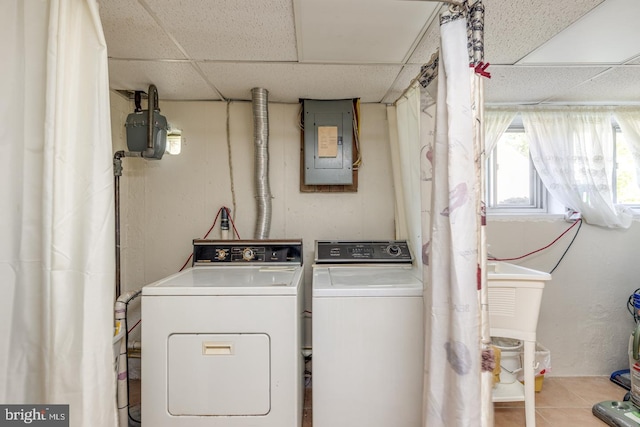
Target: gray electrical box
328	142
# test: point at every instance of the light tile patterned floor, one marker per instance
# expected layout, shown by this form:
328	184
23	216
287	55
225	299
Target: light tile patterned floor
563	402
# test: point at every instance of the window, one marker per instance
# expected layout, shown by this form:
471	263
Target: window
625	179
513	185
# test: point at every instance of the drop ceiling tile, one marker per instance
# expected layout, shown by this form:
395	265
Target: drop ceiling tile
515	28
233	30
429	44
531	85
131	32
360	31
591	41
174	80
618	85
408	73
290	82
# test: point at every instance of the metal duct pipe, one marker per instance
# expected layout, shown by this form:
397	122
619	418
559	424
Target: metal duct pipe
259	98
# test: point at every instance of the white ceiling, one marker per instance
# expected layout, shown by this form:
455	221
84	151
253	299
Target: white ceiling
540	51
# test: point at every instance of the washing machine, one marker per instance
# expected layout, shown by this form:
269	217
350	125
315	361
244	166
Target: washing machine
221	340
368	335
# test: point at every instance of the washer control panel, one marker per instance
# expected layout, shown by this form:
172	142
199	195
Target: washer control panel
207	252
352	252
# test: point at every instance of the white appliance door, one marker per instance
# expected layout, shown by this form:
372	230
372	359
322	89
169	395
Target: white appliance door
218	374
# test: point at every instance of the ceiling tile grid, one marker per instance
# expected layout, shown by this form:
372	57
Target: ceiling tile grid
619	85
515	28
290	82
224	30
372	50
532	85
132	33
360	31
174	80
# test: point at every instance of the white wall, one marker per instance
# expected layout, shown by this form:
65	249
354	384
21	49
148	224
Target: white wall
583	318
168	203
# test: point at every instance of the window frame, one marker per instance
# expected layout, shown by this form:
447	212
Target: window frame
634	207
538	193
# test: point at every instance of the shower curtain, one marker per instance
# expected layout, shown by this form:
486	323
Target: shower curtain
57	231
457	381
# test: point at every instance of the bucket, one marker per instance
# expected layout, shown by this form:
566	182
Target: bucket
510	364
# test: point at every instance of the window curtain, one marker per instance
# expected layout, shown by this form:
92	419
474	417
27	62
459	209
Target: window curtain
629	122
571	150
496	122
57	230
452	382
404	130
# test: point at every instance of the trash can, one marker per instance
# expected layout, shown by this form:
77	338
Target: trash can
542	365
512	357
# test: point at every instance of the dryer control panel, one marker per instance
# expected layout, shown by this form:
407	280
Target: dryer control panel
207	252
371	252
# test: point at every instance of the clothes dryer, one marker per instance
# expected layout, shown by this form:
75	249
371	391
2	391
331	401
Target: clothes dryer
222	340
368	335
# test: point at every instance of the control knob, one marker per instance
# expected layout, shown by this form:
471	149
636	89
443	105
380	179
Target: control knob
394	250
248	254
221	254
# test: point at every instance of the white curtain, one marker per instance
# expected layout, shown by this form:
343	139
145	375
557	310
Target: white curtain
404	131
496	122
452	347
57	229
572	152
629	122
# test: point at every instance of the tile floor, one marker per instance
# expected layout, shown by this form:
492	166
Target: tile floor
563	402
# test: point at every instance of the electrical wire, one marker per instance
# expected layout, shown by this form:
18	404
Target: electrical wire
134	326
233	225
545	247
356	134
567	250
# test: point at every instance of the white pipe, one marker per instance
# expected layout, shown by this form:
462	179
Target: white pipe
122	368
261	161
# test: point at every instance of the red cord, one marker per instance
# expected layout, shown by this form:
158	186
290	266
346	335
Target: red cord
134	326
538	250
213	225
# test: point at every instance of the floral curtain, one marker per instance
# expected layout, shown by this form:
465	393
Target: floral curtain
452	390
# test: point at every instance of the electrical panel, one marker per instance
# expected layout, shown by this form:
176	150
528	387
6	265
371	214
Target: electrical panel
328	142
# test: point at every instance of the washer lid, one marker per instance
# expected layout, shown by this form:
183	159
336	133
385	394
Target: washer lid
371	281
245	280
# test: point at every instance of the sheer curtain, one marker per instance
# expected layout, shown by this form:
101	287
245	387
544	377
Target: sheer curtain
572	152
629	122
404	130
57	229
496	122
